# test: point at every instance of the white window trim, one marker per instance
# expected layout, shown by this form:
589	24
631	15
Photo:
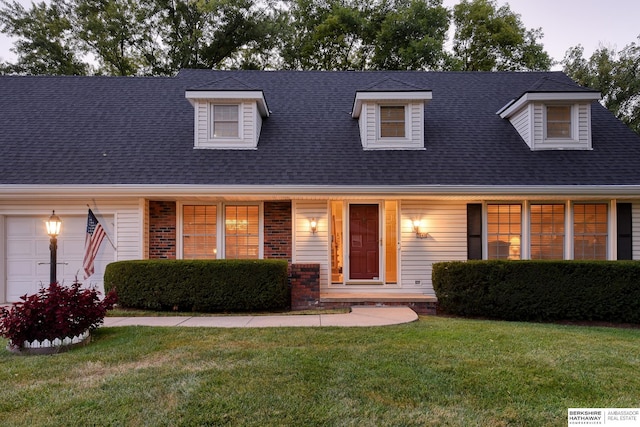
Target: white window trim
525	237
574	131
211	122
407	124
220	226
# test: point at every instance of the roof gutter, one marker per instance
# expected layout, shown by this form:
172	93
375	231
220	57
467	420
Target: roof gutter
21	191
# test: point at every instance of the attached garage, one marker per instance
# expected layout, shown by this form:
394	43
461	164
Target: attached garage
27	256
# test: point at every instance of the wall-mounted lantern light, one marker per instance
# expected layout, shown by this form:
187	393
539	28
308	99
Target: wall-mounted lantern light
416	229
313	225
53	225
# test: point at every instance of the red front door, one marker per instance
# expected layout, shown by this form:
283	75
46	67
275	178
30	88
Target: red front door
364	243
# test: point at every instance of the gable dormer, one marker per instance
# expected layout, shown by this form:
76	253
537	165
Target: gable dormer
227	115
391	115
553	115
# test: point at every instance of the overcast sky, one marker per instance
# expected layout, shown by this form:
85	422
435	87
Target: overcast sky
565	23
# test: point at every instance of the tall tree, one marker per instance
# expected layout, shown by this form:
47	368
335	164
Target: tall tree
46	42
363	34
135	37
118	34
615	74
491	38
324	35
411	35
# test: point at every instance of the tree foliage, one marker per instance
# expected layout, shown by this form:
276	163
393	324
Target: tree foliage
491	38
134	37
158	37
45	42
615	74
362	34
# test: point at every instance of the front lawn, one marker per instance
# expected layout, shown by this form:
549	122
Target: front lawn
438	371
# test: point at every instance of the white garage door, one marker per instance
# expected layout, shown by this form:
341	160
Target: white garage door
28	256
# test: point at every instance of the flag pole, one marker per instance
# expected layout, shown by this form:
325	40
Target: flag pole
105	233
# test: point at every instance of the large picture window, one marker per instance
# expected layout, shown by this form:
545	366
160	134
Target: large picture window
238	236
547	231
590	231
504	229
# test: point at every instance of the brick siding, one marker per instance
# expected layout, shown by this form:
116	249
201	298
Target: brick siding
162	230
305	286
277	230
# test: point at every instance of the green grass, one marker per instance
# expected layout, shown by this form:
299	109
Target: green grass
435	372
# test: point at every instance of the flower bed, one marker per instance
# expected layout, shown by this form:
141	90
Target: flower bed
51	346
54	319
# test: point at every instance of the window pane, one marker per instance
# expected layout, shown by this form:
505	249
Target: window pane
242	232
392	121
337	255
590	231
559	121
547	231
391	241
199	239
225	121
504	223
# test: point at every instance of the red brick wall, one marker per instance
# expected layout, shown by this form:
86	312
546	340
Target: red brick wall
162	230
305	286
277	230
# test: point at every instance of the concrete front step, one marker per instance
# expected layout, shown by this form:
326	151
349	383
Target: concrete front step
420	303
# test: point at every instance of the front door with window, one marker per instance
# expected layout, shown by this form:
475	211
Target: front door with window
364	242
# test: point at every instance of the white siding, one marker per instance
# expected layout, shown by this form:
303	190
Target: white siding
635	230
307	246
446	224
584	124
369	123
416	118
530	124
202	123
250	125
522	122
129	234
538	125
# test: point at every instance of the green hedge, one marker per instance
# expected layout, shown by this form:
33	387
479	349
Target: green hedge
200	285
540	290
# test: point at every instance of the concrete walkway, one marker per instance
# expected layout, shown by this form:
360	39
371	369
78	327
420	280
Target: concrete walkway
359	316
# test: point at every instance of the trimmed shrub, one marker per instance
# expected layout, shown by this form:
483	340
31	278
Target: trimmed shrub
54	312
200	285
540	290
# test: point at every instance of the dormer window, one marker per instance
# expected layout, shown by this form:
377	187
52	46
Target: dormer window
225	121
392	121
553	115
227	115
391	115
558	122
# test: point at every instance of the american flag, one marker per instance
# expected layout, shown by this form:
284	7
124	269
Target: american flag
92	241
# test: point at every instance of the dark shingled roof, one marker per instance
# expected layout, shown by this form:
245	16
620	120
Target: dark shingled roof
124	130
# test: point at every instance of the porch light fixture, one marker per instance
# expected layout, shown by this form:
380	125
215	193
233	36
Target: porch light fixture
416	228
53	225
313	225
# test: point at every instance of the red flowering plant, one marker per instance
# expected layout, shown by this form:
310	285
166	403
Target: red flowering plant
54	312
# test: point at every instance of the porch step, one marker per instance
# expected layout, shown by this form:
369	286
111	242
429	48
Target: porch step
421	304
376	297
